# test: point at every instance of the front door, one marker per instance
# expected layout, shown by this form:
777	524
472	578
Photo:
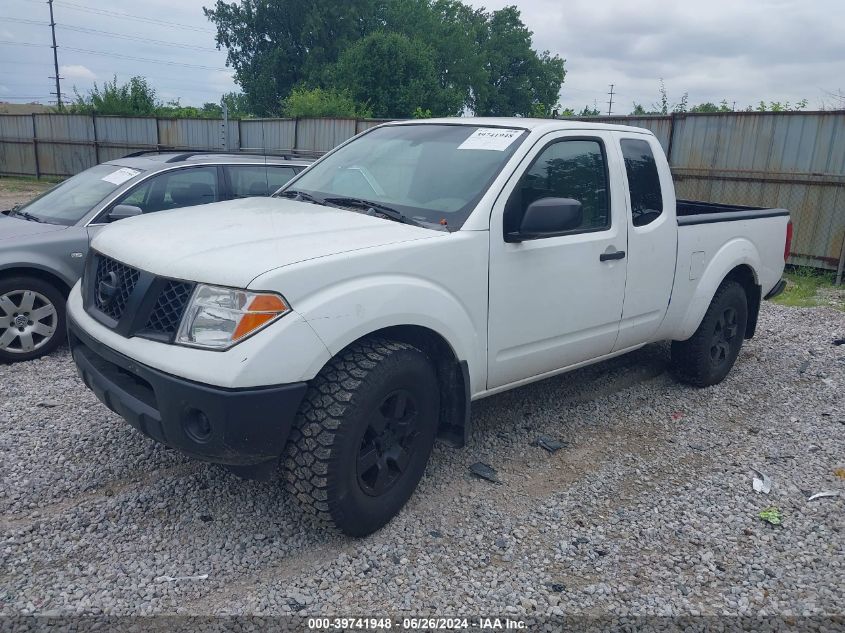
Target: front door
556	301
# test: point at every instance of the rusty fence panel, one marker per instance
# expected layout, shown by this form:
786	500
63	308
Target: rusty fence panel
65	143
791	160
119	136
18	145
273	136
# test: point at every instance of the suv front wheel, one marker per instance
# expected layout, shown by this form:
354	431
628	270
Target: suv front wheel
32	318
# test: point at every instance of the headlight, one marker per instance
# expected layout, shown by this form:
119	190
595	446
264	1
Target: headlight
218	318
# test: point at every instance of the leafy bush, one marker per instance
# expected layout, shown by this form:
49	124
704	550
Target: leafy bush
319	102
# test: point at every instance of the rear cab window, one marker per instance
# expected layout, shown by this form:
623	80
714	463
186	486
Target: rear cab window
643	181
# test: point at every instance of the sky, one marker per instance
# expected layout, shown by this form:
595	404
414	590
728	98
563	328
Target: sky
738	50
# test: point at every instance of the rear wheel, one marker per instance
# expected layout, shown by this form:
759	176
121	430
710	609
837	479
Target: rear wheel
32	318
363	435
707	357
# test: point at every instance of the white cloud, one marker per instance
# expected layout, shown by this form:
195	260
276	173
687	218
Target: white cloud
77	71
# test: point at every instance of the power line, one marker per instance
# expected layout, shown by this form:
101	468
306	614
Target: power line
141	59
118	55
125	36
128	16
23	21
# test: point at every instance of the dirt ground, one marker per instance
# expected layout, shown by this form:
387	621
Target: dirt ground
19	190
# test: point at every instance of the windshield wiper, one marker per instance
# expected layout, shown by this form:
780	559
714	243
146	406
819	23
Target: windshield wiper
377	208
25	215
295	194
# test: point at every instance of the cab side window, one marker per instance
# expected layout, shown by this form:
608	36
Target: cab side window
643	181
574	169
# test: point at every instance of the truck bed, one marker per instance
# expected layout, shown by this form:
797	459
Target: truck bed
695	212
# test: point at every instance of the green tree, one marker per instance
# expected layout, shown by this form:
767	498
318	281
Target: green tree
516	76
237	104
452	30
317	102
393	74
481	61
276	45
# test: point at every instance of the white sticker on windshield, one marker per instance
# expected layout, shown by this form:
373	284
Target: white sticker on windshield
492	138
121	175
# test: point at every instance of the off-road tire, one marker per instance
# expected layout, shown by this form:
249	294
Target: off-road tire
706	358
334	428
45	291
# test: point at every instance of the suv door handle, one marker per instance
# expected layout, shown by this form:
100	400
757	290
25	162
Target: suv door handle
608	256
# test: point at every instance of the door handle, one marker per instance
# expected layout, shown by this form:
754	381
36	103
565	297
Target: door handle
608	256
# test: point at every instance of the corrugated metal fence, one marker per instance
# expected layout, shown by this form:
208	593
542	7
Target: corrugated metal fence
794	160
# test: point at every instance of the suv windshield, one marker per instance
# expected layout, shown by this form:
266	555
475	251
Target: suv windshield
69	201
432	173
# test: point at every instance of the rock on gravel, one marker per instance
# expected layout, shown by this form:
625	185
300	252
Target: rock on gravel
648	509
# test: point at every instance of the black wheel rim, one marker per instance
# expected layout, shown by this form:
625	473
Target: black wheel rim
388	443
724	334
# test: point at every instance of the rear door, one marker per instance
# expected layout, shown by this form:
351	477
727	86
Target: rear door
652	238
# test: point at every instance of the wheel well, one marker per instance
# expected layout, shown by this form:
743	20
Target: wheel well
452	377
745	277
43	275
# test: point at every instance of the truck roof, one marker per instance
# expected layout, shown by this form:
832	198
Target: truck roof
544	125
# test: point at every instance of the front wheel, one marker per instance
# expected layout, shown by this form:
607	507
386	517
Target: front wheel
706	358
363	435
32	318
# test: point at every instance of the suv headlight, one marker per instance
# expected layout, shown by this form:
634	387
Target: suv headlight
218	317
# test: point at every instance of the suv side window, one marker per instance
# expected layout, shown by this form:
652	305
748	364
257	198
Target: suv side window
574	169
643	181
278	177
174	189
247	181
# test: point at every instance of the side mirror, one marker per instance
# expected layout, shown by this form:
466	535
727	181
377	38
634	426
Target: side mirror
548	217
123	211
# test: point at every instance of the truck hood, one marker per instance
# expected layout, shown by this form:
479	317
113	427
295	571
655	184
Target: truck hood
18	228
231	243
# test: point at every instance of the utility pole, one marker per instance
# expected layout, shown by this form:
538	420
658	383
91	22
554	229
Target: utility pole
55	48
609	103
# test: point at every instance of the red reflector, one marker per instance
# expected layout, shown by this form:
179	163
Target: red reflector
788	246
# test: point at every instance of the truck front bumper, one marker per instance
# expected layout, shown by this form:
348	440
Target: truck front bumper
234	427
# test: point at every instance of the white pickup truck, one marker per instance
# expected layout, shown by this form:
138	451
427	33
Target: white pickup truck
341	326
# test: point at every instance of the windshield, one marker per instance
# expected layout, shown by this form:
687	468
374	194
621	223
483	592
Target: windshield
69	201
430	172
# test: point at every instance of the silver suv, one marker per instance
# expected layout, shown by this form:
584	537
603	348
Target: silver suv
43	243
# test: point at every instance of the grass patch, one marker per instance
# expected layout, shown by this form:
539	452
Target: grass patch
22	184
808	287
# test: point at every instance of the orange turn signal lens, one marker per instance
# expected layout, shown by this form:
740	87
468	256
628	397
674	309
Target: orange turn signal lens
262	309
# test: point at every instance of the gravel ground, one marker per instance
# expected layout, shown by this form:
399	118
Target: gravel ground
648	510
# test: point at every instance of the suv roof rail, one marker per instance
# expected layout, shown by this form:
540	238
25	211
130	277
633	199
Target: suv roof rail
186	154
